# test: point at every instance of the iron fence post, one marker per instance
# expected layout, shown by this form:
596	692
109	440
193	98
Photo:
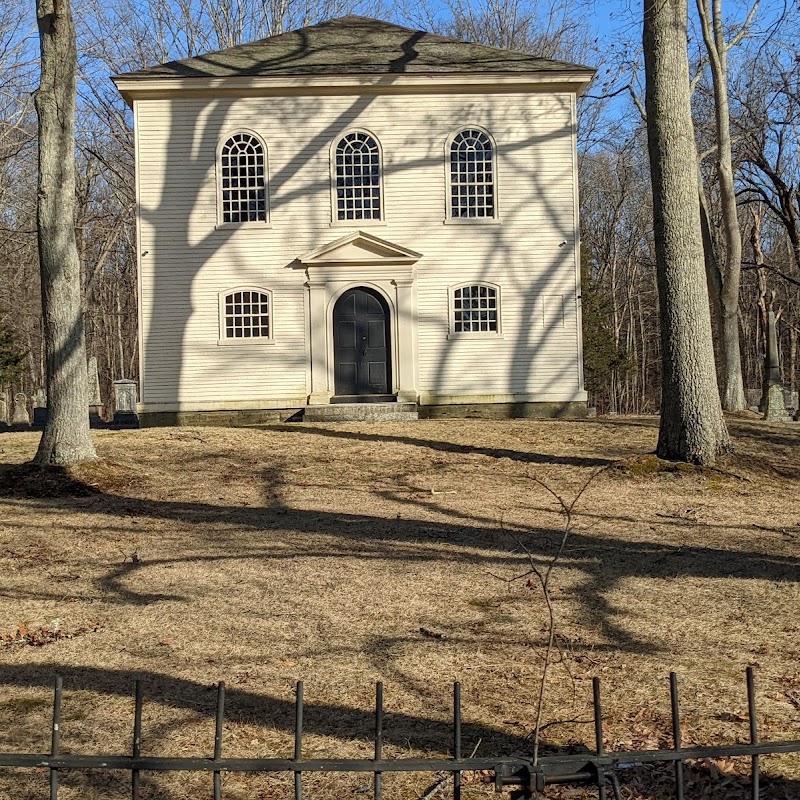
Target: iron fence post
137	736
751	712
55	738
218	727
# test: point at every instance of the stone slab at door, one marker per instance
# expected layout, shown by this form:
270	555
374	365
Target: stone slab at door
361	344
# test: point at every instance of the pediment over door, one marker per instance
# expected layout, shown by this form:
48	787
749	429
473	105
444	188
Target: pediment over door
360	249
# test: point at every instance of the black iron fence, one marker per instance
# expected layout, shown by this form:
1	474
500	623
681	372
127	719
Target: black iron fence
524	776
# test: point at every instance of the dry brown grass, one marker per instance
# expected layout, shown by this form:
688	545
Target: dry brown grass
260	556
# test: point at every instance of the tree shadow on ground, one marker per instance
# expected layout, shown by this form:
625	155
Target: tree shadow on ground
602	562
785	435
447	447
743	430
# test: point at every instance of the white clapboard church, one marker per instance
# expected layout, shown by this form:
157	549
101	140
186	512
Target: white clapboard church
354	212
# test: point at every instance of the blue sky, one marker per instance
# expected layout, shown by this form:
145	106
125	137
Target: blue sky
612	17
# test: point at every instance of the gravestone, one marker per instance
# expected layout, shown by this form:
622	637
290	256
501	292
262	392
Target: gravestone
93	390
753	397
773	402
4	409
20	416
775	405
39	402
125	396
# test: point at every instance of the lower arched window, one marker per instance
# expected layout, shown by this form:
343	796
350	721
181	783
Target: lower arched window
246	314
475	309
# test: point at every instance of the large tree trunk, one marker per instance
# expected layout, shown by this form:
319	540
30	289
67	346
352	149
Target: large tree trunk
66	438
692	427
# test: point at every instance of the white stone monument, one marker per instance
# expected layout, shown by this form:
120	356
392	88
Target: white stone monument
773	401
20	416
125	397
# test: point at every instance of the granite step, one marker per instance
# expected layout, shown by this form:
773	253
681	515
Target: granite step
361	412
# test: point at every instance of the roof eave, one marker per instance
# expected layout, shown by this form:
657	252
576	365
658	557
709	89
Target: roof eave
140	86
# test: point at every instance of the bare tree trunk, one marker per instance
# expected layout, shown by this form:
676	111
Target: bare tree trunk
764	305
717	47
643	365
692	427
66	438
713	277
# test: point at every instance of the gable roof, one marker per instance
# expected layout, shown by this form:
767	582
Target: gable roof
355	46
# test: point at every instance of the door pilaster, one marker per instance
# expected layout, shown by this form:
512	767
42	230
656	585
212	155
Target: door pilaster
406	323
318	302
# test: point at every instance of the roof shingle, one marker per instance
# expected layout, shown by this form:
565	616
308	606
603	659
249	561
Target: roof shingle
354	46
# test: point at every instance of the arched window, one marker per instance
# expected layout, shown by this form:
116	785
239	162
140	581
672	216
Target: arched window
243	179
246	314
475	309
357	181
472	175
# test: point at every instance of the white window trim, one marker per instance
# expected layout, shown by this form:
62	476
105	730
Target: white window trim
355	223
259	224
449	219
255	341
451	313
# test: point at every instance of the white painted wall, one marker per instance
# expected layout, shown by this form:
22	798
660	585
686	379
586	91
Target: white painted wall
186	260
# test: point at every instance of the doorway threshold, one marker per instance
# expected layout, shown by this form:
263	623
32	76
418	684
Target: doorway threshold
363	398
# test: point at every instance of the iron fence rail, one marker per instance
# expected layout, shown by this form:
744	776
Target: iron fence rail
525	776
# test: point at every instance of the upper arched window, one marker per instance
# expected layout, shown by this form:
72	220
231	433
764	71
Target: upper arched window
472	180
357	177
243	179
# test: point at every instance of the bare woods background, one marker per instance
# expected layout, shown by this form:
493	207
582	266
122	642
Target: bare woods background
620	302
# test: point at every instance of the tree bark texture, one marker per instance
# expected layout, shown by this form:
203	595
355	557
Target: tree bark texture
714	36
692	427
713	276
66	438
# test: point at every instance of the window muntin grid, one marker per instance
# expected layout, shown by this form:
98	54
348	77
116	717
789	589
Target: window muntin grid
472	175
247	315
243	179
358	177
475	309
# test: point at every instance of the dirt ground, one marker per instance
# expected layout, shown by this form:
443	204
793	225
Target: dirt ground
342	554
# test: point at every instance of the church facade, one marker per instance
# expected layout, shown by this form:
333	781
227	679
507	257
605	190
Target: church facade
358	211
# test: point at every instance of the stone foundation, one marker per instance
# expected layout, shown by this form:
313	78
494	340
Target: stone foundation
219	419
545	410
251	417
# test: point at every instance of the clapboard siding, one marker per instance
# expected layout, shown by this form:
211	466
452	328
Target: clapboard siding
186	260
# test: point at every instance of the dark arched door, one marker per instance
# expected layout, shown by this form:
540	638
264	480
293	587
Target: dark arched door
361	344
